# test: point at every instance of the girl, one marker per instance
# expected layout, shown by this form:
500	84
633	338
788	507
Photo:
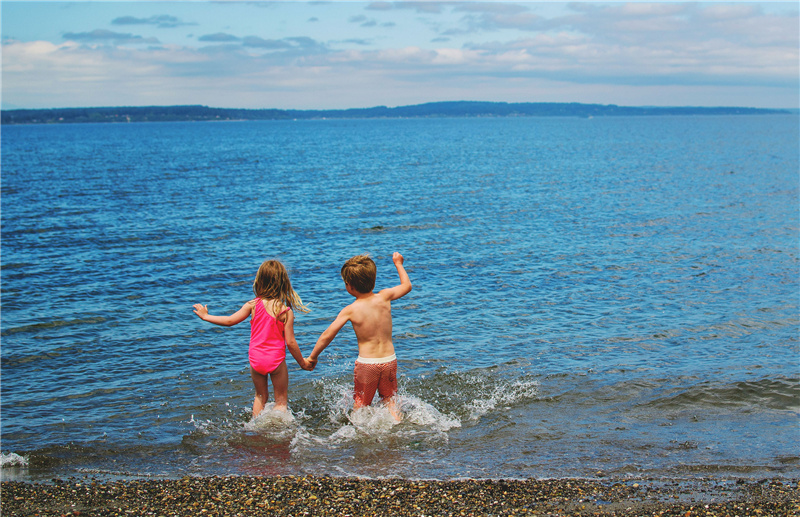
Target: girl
271	331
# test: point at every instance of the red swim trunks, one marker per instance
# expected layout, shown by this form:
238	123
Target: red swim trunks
372	375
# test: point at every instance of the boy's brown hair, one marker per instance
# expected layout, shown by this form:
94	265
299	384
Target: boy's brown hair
360	272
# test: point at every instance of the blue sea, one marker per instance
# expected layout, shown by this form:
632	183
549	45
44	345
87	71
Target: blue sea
606	297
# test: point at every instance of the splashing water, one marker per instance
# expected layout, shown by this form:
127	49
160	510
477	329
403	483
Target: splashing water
12	460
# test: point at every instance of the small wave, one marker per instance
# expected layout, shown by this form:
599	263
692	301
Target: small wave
403	228
502	395
409	335
18	265
781	394
474	393
118	474
52	324
12	460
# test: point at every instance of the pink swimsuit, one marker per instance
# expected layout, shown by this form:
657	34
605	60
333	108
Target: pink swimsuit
267	342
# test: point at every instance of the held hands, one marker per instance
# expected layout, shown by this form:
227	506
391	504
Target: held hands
310	363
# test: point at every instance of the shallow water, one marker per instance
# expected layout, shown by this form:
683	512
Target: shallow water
615	295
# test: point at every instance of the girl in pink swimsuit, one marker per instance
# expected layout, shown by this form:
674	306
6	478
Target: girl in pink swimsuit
271	331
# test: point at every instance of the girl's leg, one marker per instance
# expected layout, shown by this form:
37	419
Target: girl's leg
262	391
280	384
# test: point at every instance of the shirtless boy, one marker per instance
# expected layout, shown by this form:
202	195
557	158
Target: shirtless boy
371	317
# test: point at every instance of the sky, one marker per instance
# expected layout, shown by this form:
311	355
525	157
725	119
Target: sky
346	54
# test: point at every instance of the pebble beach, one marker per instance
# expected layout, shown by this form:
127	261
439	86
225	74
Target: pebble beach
330	496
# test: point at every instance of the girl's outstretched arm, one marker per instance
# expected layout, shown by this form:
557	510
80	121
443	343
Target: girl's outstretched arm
291	342
226	321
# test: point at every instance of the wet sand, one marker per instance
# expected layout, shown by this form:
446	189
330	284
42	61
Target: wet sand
327	496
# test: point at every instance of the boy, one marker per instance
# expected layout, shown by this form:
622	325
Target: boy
371	317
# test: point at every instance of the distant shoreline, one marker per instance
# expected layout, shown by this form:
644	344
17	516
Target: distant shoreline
471	109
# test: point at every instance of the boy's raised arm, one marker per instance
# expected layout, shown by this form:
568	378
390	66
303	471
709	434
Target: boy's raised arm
405	283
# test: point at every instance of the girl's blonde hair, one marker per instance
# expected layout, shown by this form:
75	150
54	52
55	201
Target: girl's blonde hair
272	282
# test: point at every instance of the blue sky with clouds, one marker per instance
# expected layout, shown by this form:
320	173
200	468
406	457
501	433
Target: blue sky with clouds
317	55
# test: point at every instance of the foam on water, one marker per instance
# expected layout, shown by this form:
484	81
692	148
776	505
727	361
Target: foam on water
12	460
271	419
474	393
501	395
375	423
421	413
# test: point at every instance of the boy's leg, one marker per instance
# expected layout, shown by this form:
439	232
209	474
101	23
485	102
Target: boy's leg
387	388
262	391
280	385
394	408
365	380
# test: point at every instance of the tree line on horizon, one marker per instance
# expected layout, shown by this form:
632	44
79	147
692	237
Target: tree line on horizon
433	109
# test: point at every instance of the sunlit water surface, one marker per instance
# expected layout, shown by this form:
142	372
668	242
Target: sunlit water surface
613	295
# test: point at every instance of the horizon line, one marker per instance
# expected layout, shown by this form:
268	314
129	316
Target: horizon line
383	106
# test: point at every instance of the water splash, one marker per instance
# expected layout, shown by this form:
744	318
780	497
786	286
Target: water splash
272	420
12	460
504	394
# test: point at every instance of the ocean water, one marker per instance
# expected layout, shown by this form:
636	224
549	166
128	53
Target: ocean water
592	297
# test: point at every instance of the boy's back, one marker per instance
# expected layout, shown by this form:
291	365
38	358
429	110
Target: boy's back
371	317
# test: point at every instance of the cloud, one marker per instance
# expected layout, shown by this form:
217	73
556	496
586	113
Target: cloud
491	22
269	44
491	7
729	12
632	23
306	43
219	37
35	70
543	67
357	41
635	50
426	7
103	35
584	59
632	43
363	21
380	6
163	21
652	24
284	49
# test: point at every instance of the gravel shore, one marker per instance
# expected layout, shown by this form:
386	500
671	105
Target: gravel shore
327	496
